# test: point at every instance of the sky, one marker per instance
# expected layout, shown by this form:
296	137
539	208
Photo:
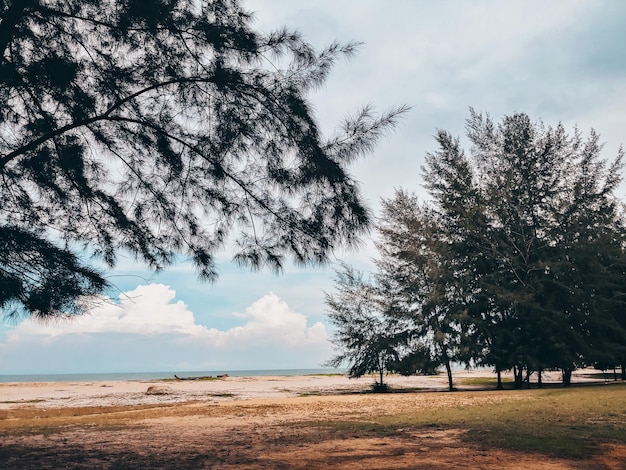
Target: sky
557	61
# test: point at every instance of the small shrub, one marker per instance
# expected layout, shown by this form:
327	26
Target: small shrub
379	387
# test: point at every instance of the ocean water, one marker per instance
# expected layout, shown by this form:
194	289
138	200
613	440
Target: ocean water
111	376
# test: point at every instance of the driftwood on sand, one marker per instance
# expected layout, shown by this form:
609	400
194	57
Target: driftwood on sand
159	390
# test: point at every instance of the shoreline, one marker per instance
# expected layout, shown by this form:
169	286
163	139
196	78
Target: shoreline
237	388
158	375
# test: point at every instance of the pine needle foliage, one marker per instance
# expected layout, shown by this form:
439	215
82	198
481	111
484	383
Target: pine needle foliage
164	128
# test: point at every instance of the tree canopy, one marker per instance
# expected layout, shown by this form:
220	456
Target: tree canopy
162	128
365	337
517	261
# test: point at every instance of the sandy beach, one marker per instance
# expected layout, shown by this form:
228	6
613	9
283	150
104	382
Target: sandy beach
135	392
249	422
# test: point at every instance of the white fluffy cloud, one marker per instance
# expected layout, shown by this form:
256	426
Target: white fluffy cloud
146	310
147	329
271	319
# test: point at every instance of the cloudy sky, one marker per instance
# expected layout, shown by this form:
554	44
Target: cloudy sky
558	61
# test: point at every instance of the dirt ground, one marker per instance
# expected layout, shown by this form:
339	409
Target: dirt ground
283	433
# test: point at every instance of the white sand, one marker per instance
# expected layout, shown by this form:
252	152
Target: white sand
77	394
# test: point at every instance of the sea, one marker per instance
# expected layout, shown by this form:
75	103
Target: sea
117	376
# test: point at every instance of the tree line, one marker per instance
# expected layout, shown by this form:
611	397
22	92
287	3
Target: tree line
516	261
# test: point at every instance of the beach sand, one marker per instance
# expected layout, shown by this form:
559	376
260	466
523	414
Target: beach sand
246	422
133	392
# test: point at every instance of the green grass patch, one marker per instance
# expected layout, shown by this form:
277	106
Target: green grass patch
568	423
608	375
330	374
192	379
20	402
311	394
484	381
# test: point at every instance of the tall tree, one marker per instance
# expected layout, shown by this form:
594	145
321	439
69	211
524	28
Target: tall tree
412	316
593	231
417	274
161	128
365	338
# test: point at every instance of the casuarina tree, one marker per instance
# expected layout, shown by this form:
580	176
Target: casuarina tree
418	274
517	261
162	128
532	213
365	337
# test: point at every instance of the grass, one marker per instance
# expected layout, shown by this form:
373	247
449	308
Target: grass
484	381
28	421
569	423
20	402
310	394
608	375
329	374
196	379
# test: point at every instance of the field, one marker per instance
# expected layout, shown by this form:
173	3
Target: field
582	427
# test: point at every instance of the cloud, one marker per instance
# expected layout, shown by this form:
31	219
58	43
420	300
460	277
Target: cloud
271	318
148	329
146	310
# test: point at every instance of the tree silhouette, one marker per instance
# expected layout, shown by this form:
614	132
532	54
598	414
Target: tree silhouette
162	128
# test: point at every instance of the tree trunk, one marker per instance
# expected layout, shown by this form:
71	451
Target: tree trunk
528	372
623	370
539	381
518	371
499	374
449	372
567	376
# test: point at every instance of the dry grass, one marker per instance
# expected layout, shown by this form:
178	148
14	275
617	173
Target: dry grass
569	423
